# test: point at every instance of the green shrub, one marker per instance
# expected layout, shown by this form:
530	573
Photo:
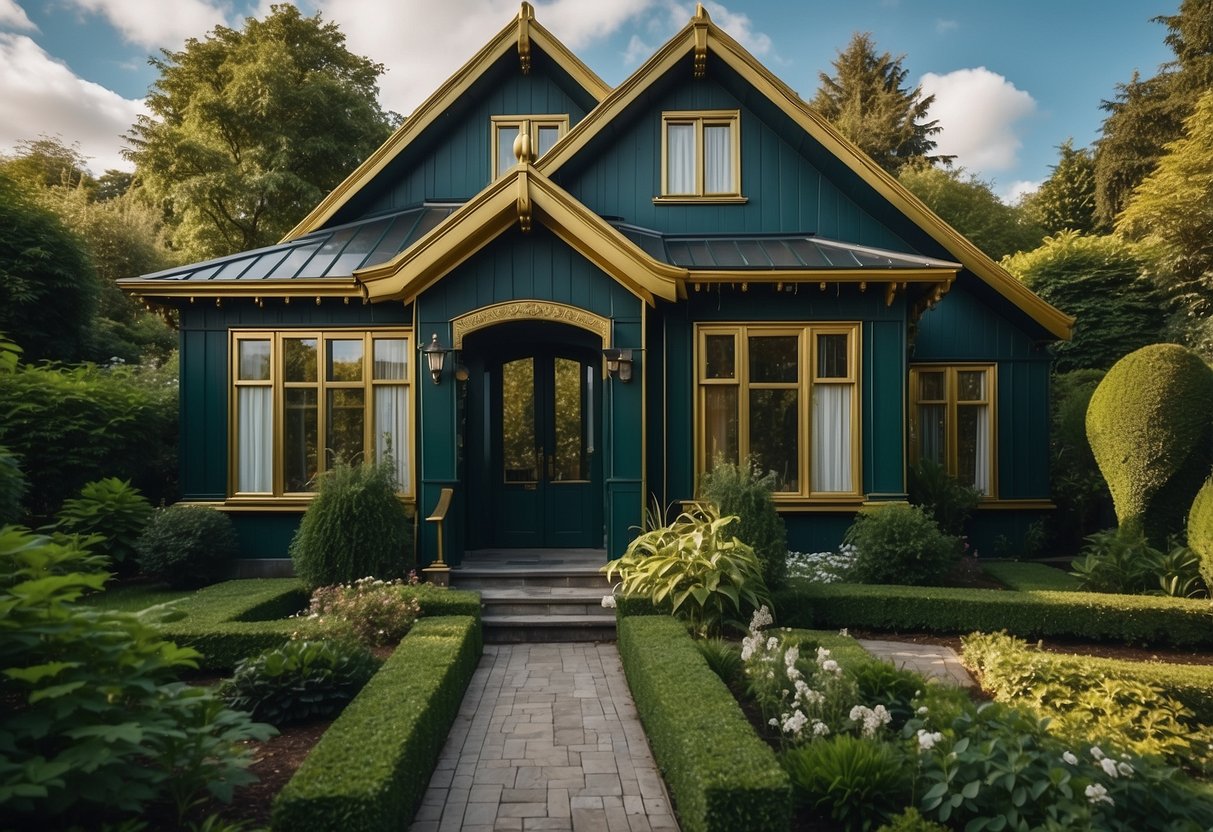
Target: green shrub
187	546
911	821
95	720
722	657
948	500
300	680
856	783
71	426
900	544
1075	483
1027	577
1149	429
1200	530
114	509
744	491
13	486
375	612
1090	616
370	768
1123	561
354	528
721	775
697	567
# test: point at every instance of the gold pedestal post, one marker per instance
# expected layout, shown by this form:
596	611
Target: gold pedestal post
438	573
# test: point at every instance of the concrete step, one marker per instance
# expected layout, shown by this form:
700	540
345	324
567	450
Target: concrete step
481	578
504	629
543	600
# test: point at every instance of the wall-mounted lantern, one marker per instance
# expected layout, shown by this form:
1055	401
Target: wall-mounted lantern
434	356
618	363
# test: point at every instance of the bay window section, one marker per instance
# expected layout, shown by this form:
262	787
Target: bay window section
952	421
784	397
306	400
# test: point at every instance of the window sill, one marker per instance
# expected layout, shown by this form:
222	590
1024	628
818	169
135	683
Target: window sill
692	199
294	503
1015	505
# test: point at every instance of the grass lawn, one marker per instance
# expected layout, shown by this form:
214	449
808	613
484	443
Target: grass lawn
134	597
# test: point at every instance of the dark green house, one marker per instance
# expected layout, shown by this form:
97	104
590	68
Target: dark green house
622	285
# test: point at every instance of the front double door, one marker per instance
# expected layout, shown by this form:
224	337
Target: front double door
544	435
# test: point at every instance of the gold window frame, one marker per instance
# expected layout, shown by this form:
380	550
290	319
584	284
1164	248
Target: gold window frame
322	384
531	124
699	119
806	378
952	403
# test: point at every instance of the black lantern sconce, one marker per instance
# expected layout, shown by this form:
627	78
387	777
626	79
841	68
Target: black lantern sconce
618	363
435	355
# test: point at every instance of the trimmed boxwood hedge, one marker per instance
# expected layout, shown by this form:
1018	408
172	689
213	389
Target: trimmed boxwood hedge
722	776
371	767
1030	577
1137	619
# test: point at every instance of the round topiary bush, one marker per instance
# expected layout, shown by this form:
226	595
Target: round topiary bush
900	544
355	528
187	546
1149	428
1200	530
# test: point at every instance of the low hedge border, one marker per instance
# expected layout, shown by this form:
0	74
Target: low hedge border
370	769
722	776
1135	619
1031	577
231	621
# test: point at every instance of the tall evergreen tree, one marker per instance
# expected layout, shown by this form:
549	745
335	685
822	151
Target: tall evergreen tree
250	128
1066	200
867	101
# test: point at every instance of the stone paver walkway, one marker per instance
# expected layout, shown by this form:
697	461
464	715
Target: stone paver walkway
547	738
931	660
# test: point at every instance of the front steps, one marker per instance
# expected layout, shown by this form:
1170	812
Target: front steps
539	595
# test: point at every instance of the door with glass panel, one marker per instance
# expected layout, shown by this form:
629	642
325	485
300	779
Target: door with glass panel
545	478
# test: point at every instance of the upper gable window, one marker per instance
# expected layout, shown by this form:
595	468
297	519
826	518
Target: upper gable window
544	132
701	156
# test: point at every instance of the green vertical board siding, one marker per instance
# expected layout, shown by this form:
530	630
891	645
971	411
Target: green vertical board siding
265	535
817	532
883	388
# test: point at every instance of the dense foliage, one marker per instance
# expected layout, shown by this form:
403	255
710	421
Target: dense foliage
854	782
900	544
1148	424
370	610
95	722
13	487
355	528
114	509
948	500
1124	561
300	680
1084	504
970	206
1066	200
249	128
744	491
187	546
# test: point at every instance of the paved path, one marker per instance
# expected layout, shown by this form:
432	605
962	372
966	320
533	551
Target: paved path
547	738
931	660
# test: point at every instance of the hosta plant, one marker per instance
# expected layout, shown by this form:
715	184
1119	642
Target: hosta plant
112	508
695	568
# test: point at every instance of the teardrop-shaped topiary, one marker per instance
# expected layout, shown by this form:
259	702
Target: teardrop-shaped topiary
1200	530
1149	428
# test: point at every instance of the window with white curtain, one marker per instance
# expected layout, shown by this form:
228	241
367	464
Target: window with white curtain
544	131
785	397
952	421
701	154
305	399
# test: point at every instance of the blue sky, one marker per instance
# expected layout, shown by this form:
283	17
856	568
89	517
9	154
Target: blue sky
1012	79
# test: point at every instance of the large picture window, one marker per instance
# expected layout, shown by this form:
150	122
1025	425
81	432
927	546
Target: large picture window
544	131
952	421
305	399
785	396
701	155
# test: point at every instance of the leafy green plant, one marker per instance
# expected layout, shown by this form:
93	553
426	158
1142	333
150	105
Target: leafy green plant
13	486
373	611
745	491
112	508
703	572
856	783
942	496
900	544
354	528
911	821
1115	561
95	721
187	546
300	680
722	657
880	683
1178	572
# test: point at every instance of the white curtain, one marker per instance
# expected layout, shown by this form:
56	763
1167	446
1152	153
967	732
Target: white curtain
680	159
718	160
391	428
254	408
832	438
981	467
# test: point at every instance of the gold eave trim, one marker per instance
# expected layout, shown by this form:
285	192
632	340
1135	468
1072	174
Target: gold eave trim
505	42
684	44
874	277
326	288
521	194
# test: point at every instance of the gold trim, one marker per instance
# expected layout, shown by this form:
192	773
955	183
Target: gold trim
951	405
443	98
269	505
529	310
699	119
765	83
862	277
525	16
699	22
254	289
691	199
531	125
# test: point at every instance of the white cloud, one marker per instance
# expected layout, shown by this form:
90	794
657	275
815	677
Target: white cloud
636	52
737	24
979	111
41	95
154	24
943	26
12	16
1018	189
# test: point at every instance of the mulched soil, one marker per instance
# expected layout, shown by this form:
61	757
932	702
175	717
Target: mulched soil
274	763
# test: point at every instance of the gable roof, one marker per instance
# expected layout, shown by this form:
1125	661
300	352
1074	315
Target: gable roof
691	46
521	34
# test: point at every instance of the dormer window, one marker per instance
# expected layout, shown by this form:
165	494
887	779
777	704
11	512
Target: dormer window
701	156
544	132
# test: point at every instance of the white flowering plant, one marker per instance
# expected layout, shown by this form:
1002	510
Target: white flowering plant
822	567
372	611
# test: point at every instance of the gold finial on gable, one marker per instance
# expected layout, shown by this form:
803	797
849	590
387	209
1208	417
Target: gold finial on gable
523	151
525	16
700	23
